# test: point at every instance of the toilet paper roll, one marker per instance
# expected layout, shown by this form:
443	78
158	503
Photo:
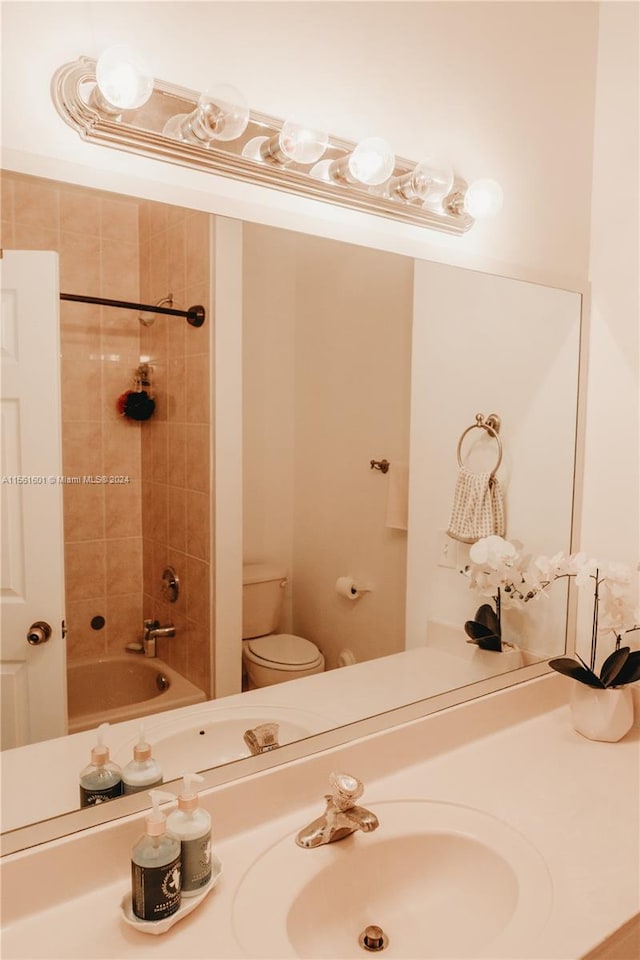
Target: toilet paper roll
350	588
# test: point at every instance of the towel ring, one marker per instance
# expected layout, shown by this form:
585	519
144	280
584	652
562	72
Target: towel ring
492	426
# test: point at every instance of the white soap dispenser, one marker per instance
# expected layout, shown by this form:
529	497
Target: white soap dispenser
155	866
143	772
192	825
101	780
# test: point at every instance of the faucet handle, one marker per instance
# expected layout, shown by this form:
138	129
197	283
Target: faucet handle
345	790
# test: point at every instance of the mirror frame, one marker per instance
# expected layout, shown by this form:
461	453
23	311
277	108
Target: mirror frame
197	191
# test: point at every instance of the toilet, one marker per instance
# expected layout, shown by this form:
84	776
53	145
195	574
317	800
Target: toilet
270	657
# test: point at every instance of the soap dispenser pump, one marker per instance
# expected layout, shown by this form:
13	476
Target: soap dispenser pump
101	779
155	866
192	825
143	772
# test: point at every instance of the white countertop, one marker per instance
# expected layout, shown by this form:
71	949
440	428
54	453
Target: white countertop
575	800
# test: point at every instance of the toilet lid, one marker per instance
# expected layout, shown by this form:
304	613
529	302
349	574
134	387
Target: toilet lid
284	648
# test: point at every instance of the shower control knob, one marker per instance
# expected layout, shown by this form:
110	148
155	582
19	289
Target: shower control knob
39	632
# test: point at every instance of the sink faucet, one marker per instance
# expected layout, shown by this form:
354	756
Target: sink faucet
341	816
152	631
262	738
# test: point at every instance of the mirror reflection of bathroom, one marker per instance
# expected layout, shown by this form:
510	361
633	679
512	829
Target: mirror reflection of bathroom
351	358
326	389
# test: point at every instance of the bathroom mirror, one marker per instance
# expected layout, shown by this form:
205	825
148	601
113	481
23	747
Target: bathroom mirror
331	383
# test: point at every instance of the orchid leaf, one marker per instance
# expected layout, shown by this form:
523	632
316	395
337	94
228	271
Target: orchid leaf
613	665
485	638
570	668
630	671
591	673
487	616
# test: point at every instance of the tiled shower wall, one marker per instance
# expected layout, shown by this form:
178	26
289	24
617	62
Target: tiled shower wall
174	259
126	249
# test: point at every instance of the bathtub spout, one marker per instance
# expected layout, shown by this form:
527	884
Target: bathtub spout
152	631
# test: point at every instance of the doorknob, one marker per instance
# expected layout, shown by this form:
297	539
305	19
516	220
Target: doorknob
39	632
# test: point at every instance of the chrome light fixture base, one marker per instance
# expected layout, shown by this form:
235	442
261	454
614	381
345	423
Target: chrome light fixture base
140	131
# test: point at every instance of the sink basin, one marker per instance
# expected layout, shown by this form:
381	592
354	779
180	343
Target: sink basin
440	879
207	738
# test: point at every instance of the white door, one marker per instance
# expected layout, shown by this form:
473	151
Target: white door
33	676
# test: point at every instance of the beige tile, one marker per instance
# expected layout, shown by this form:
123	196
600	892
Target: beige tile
177	528
6	235
198	590
80	264
159	267
124	566
84	512
79	211
37	203
176	215
6	196
199	655
124	619
176	258
159	512
147	565
198	525
27	237
197	246
82	640
121	444
81	384
157	216
159	450
119	269
198	441
80	327
123	506
85	570
82	448
161	558
176	455
197	371
176	390
119	220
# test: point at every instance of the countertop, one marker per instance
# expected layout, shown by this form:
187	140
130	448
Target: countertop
575	800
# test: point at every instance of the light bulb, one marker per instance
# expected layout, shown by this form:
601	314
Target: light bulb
222	114
483	198
371	162
123	78
430	181
302	144
295	143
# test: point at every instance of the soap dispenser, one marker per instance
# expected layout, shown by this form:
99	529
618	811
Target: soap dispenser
101	780
155	866
192	825
143	772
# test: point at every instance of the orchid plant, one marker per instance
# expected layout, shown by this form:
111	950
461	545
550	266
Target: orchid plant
498	569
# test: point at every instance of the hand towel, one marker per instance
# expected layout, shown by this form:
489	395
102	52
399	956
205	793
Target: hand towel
398	495
478	507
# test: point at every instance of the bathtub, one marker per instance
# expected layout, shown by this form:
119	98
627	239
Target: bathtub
111	689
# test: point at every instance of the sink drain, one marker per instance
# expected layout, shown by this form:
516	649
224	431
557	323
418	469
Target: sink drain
373	938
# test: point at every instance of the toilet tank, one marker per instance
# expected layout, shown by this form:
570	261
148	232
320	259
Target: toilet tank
262	595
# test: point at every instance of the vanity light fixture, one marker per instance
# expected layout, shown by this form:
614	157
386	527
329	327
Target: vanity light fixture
116	103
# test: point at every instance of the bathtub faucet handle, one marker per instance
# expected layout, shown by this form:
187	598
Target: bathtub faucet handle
152	631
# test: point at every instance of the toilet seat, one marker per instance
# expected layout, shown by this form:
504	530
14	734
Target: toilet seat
283	651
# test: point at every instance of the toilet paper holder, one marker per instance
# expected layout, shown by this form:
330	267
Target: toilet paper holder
352	588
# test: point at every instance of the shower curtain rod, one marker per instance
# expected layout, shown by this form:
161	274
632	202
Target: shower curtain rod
195	315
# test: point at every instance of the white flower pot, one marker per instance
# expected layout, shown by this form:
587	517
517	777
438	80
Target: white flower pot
601	714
